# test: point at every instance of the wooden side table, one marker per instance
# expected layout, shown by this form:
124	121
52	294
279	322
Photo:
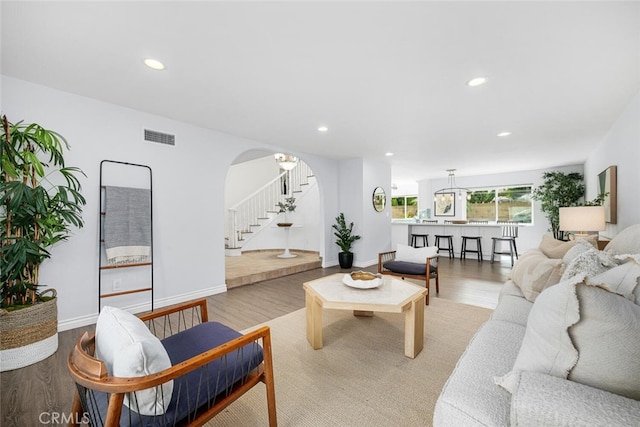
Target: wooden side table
602	243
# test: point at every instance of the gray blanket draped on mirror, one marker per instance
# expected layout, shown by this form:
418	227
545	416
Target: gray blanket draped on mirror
127	225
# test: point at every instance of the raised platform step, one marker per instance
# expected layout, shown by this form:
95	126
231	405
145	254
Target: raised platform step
257	266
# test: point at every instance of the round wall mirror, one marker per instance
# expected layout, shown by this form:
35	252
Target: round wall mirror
379	199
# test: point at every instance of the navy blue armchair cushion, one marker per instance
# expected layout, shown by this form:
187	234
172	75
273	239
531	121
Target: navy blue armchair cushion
404	267
201	386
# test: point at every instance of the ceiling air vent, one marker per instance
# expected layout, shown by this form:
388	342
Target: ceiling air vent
159	137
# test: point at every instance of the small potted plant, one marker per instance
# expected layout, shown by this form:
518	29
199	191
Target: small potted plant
344	239
40	202
289	205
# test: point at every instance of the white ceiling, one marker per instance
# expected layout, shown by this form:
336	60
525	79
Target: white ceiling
383	76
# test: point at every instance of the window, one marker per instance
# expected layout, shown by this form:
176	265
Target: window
501	204
404	207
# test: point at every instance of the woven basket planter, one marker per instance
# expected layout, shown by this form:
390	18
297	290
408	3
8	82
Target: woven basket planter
28	335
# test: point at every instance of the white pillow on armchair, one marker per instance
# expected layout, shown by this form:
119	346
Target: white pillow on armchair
418	255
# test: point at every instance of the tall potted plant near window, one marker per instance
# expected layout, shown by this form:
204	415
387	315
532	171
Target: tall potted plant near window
40	201
344	239
558	190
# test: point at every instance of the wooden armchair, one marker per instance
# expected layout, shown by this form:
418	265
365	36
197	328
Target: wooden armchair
387	264
211	366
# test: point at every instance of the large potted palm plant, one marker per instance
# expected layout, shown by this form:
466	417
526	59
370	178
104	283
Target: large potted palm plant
40	202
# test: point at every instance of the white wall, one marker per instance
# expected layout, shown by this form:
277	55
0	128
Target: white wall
529	236
376	225
188	193
373	227
621	148
243	179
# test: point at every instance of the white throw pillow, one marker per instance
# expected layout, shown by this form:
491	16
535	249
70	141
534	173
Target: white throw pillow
591	262
129	349
581	246
625	242
608	341
417	255
623	279
584	333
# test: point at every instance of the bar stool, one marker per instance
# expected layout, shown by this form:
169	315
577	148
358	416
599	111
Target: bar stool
415	237
509	234
477	250
446	238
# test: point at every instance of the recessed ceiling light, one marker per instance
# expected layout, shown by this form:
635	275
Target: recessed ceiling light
388	154
323	129
154	64
477	81
506	133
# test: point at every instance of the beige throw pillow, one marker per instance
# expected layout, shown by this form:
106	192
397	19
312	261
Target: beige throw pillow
557	249
534	272
581	331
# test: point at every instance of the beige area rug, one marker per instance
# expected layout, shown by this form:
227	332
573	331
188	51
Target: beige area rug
361	376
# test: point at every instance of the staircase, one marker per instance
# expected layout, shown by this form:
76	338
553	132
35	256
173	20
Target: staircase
257	211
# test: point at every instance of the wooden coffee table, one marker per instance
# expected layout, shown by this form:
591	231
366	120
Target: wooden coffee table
393	296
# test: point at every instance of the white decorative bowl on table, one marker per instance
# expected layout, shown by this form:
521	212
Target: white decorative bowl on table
362	280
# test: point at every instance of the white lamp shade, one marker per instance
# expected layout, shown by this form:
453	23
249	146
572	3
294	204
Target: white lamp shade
582	218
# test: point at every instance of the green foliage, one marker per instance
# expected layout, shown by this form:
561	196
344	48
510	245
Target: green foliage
40	200
482	197
598	201
558	190
344	234
288	205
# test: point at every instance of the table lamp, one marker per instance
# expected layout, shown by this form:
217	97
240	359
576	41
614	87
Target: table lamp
582	218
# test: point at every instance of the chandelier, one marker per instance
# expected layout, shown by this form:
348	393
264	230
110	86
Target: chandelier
452	189
286	161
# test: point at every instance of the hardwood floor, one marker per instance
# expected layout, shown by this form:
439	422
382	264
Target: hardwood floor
42	393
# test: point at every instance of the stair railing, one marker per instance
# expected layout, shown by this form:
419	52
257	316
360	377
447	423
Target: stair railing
262	204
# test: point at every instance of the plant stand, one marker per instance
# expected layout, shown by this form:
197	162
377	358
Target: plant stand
286	253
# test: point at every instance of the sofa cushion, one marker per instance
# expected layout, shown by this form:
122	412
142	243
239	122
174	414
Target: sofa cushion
129	349
534	272
469	397
411	254
581	331
512	309
543	400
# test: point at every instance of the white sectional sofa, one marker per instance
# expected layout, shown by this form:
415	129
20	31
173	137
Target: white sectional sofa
562	347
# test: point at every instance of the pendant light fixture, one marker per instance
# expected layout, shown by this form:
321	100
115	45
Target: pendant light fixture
452	188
